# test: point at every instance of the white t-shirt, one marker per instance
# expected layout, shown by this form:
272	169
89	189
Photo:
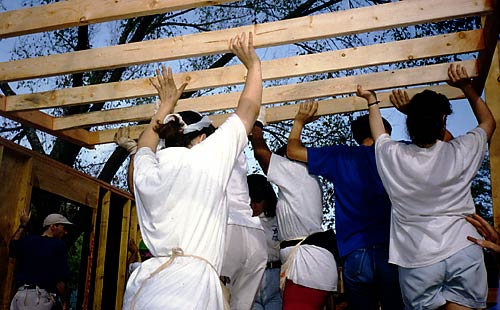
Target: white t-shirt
300	212
238	197
270	225
181	202
430	194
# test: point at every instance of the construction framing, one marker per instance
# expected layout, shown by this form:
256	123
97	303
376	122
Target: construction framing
81	129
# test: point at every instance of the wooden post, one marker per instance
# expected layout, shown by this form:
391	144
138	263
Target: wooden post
122	263
101	252
15	194
492	97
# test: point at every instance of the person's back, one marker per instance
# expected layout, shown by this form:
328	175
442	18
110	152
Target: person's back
180	193
429	185
362	211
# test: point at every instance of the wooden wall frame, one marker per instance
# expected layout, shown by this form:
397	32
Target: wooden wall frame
27	108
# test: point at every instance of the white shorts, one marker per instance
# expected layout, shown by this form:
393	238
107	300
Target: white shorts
461	279
244	263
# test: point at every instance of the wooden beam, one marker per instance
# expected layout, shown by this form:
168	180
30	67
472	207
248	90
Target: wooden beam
377	54
306	90
44	122
63	181
287	112
372	18
84	12
101	251
123	261
492	97
491	25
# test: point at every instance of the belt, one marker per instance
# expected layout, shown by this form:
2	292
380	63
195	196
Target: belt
274	264
289	243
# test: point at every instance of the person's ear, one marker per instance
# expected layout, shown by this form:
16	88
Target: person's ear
203	136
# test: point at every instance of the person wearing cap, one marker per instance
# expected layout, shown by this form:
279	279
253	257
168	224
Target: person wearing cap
41	264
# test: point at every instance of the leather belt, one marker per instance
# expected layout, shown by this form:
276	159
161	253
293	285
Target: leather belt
274	264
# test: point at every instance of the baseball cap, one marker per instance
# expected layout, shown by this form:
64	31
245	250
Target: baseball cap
55	218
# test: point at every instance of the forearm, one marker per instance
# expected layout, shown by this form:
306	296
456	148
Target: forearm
19	232
149	138
251	97
260	149
375	118
130	174
295	150
481	111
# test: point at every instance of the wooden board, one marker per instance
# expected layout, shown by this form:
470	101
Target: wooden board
307	28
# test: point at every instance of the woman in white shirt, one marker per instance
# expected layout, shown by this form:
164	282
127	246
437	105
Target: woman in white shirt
180	194
428	182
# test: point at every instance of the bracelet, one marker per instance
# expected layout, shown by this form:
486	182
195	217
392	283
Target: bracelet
258	124
373	103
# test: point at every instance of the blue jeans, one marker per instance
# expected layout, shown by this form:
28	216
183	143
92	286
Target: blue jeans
370	281
269	296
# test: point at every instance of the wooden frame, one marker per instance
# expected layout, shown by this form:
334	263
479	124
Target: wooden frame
27	108
27	170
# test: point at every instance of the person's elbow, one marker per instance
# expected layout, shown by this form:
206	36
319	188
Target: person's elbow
296	151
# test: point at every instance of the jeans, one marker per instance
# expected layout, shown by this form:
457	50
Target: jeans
370	281
269	296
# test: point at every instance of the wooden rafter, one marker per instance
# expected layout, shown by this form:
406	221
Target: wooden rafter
377	54
277	94
315	27
83	12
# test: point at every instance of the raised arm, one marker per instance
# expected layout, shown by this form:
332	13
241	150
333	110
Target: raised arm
122	138
169	95
376	123
458	77
306	113
260	149
251	97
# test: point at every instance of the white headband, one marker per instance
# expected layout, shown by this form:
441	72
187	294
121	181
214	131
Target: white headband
202	123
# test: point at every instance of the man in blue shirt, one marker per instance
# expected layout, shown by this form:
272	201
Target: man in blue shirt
41	264
362	211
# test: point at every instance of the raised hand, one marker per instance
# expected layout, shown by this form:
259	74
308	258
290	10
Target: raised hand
242	47
400	99
122	138
24	216
458	77
165	85
369	95
307	111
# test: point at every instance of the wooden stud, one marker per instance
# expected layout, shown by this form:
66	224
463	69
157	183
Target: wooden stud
122	262
101	251
492	98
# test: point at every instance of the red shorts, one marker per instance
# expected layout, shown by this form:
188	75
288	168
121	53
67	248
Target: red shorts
298	297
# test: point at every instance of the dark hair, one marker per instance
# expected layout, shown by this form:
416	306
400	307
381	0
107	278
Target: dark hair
260	189
173	134
281	151
425	122
360	128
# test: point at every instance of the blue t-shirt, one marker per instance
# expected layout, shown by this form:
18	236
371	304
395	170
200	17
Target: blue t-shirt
362	207
40	261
